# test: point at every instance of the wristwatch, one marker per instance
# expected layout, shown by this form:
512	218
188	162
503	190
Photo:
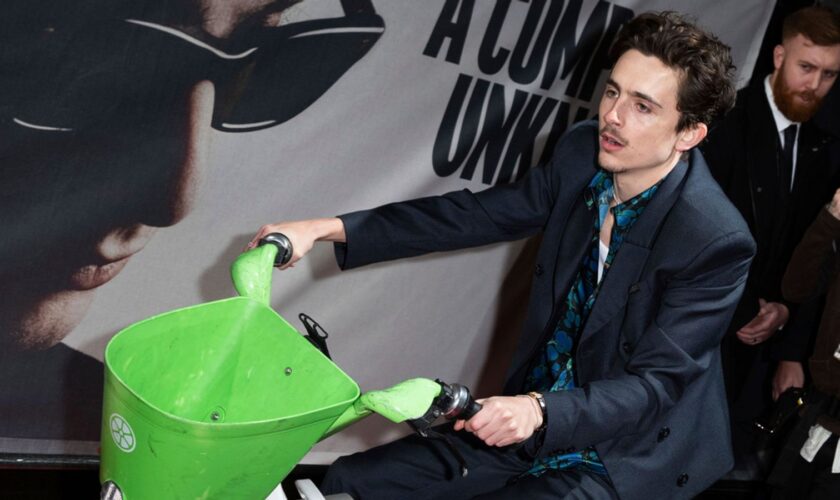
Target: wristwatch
536	396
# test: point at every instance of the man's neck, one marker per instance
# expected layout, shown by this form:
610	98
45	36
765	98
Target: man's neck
631	183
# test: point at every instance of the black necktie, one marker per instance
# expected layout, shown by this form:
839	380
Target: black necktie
787	158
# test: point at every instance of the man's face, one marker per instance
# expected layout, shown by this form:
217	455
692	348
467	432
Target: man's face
638	115
803	75
79	195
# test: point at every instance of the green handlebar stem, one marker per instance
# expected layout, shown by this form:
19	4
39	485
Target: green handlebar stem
251	273
408	400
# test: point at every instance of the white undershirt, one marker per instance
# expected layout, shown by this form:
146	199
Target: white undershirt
603	251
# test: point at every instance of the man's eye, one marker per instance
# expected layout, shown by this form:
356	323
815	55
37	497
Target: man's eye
611	93
643	108
806	67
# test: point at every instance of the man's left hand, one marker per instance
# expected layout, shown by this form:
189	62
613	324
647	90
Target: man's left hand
504	420
771	316
788	374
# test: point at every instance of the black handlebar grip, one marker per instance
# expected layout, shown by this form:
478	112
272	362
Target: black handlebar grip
472	408
284	247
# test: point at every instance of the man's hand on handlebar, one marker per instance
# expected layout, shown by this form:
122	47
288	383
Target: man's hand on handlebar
303	235
504	420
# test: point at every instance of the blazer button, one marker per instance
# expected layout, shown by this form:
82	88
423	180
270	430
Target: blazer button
626	347
538	270
663	433
682	480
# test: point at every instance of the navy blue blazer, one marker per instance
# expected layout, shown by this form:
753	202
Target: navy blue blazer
650	393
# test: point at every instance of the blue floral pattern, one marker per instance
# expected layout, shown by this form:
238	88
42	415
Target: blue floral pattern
553	368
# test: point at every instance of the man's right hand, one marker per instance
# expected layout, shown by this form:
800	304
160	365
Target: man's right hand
303	235
771	316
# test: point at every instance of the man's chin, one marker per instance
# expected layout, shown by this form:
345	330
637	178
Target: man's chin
608	163
802	112
44	322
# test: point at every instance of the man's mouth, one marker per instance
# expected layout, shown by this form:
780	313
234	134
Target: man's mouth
610	143
95	275
808	97
110	256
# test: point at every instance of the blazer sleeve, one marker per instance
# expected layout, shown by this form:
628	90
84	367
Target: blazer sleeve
675	349
806	275
809	271
462	219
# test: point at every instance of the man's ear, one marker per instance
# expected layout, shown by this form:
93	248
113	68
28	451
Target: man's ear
691	136
778	56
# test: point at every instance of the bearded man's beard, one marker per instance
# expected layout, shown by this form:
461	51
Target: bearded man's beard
794	109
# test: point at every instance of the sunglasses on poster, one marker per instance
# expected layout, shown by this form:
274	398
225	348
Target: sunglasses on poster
263	77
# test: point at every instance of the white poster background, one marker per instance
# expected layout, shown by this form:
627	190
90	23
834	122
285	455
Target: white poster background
366	142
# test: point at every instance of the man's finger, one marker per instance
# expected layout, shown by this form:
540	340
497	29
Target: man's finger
484	432
758	327
749	330
476	423
753	322
749	339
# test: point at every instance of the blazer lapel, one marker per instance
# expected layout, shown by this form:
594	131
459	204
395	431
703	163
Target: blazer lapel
572	243
573	246
763	162
615	289
631	257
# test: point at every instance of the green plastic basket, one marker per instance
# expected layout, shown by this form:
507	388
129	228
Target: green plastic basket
219	400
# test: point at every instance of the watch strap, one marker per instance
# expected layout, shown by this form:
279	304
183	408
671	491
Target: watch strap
536	396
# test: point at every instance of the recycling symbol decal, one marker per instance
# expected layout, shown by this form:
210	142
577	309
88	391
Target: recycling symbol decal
122	433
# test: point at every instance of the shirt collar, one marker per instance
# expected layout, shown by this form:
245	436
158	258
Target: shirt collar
601	190
782	121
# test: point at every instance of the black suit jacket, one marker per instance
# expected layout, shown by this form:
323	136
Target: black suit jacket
743	155
650	394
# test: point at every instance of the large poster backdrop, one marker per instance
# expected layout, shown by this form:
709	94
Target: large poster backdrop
143	142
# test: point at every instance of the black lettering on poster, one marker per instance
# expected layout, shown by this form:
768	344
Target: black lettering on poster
488	124
453	24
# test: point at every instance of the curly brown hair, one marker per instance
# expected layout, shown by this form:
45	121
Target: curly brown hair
707	88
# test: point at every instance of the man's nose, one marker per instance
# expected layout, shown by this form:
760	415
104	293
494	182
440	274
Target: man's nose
182	158
613	115
814	81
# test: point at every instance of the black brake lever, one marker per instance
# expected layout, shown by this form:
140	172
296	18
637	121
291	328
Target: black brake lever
315	334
